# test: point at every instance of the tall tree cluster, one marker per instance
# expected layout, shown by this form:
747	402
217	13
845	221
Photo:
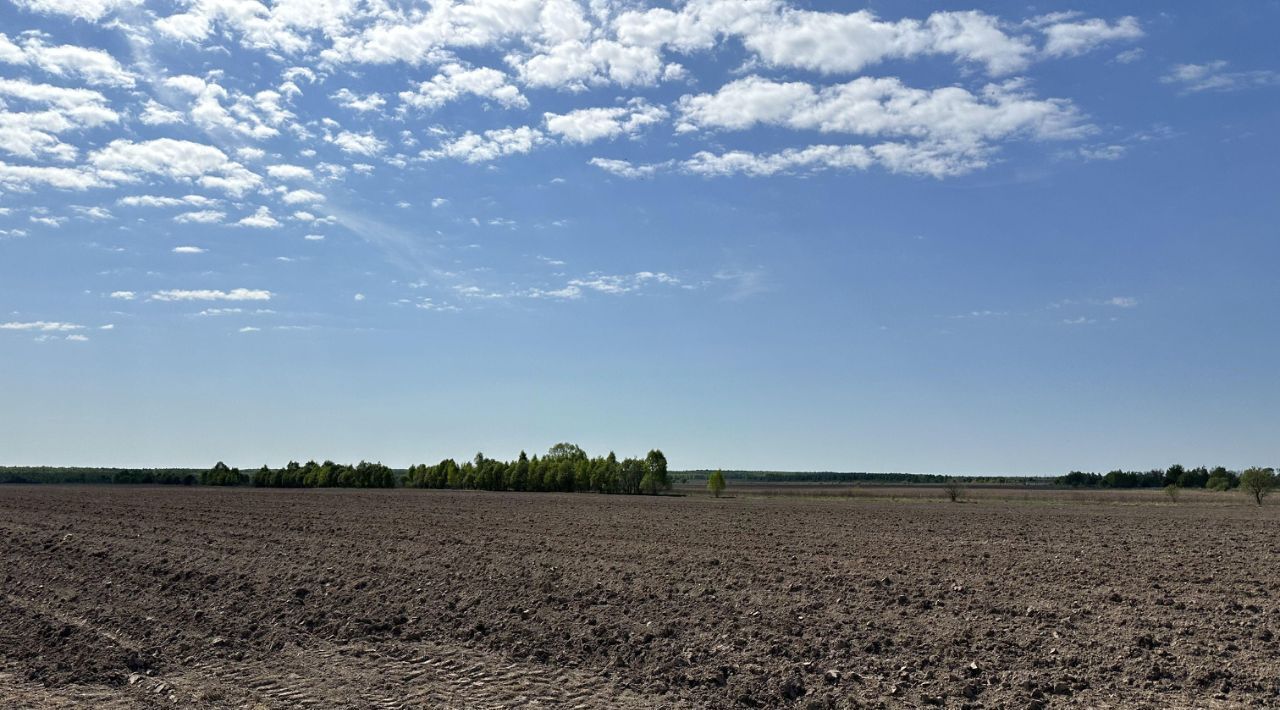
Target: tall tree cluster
222	475
1218	478
565	467
325	475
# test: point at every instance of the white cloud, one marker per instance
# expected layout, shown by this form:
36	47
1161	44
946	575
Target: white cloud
575	64
200	217
237	294
164	201
78	338
931	159
188	250
283	26
883	106
623	168
54	111
94	66
457	80
1103	152
249	329
566	45
124	295
1213	76
41	326
47	221
90	10
612	284
176	159
314	237
421	36
480	148
1068	39
258	116
260	219
828	42
814	157
566	293
591	124
290	172
300	197
355	102
358	143
836	42
359	297
1130	56
94	213
22	178
157	114
624	283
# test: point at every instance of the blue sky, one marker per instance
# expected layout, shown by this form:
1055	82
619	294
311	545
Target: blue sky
933	237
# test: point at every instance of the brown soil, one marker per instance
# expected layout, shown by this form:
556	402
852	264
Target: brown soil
161	597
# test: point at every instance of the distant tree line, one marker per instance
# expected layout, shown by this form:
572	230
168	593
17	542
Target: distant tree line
1217	478
565	467
928	479
700	476
55	474
308	475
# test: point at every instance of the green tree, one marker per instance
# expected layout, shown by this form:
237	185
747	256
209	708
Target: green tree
520	473
1220	479
716	484
566	452
1258	482
655	478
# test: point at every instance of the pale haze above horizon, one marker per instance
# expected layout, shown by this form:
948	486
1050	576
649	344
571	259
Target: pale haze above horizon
934	237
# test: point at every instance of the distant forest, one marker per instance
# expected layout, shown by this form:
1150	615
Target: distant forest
701	475
1218	478
566	467
62	474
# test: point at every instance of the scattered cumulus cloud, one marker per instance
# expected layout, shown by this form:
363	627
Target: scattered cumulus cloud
1072	37
236	294
260	219
42	326
1217	76
200	217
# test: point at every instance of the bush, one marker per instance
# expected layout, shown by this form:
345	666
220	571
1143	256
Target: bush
953	489
1173	490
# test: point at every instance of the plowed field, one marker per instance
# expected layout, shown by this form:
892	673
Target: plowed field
169	597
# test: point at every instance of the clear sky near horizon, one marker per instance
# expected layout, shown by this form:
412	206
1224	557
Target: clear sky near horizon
981	237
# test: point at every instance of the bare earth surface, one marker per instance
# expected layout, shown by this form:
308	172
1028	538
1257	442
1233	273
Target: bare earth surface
120	597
